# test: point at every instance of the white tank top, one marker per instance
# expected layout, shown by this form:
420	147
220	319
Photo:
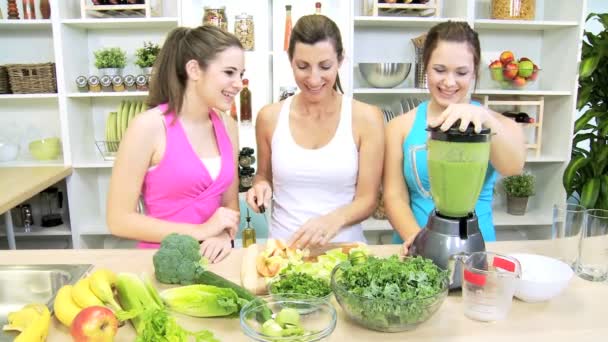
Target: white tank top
313	182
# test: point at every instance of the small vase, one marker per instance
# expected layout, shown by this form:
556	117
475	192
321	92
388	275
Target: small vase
110	71
517	205
45	9
147	71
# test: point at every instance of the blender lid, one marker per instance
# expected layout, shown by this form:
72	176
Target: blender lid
455	135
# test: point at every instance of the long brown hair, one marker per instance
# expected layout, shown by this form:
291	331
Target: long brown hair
314	28
452	31
169	78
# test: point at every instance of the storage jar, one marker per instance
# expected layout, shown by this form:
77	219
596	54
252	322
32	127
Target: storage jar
514	9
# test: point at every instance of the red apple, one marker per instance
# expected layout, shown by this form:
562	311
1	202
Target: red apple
496	70
510	70
94	324
534	75
507	57
519	82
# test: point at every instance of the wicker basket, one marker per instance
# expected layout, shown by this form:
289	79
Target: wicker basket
4	84
32	78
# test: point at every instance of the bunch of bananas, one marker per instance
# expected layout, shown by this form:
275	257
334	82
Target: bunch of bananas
32	321
94	290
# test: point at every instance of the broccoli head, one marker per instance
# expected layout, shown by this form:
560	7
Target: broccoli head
178	261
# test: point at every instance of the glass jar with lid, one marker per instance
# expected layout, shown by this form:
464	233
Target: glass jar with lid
243	29
514	9
215	16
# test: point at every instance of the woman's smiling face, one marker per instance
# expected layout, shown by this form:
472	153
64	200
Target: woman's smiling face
315	68
450	72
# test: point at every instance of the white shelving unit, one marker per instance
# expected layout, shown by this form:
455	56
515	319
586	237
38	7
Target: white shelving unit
552	41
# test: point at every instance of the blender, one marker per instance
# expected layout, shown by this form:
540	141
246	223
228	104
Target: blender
457	164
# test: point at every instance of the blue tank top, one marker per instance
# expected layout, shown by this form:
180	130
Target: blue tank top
421	205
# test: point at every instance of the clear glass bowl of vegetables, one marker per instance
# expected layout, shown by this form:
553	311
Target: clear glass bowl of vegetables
390	294
305	319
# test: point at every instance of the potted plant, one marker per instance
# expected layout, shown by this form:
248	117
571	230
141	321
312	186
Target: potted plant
110	61
586	176
146	56
518	188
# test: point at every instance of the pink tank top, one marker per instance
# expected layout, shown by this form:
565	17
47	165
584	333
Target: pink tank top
179	188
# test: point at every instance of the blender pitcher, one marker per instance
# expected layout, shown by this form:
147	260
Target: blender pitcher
457	163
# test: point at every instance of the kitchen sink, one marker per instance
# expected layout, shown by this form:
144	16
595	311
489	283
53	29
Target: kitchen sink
24	284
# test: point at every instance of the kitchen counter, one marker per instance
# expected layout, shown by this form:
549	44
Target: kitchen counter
18	184
578	314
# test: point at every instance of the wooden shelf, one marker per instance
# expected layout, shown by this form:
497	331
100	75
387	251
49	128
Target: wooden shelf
27	96
523	92
533	217
371	224
390	91
422	22
61	230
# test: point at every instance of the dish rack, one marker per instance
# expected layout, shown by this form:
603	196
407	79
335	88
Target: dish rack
432	8
146	10
107	149
517	103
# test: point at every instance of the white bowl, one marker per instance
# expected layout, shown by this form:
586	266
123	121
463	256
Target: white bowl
542	278
8	151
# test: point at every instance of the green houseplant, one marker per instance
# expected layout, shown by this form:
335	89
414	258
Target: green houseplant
146	56
518	189
586	176
110	61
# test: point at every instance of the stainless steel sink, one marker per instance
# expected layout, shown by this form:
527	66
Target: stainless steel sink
24	284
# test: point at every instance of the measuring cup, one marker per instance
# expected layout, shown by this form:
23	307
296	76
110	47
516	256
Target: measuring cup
489	281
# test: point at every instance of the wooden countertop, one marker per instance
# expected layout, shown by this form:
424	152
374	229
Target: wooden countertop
18	184
578	314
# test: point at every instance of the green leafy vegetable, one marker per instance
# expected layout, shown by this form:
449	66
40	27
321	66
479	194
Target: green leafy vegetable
386	292
300	283
203	300
179	260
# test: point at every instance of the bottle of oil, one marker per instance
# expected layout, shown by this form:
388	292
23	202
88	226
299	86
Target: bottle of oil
245	97
248	232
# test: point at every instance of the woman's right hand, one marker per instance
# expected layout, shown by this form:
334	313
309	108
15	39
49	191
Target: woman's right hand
259	195
408	242
223	219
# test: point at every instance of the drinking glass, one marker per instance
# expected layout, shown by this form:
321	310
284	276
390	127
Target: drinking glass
592	262
568	221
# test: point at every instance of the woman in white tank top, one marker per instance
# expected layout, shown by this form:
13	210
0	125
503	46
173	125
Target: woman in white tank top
320	153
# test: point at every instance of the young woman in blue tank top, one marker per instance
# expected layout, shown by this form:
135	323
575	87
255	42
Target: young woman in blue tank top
451	59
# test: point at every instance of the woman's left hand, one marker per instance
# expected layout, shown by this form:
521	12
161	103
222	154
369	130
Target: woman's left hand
315	232
467	113
216	248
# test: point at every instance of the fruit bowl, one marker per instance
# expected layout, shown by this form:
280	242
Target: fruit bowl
316	317
512	77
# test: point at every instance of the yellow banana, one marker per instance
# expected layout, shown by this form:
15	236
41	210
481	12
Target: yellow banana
101	283
82	294
19	320
38	329
65	308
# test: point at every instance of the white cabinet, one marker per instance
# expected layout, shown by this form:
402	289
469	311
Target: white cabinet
552	40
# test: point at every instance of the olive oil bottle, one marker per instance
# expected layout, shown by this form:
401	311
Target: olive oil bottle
248	232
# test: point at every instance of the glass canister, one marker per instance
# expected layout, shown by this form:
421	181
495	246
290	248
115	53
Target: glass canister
216	16
514	9
243	29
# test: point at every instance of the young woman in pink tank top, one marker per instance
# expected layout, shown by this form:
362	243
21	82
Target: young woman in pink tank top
180	156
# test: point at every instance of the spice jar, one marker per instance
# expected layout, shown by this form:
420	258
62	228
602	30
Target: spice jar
215	17
246	178
513	9
243	30
117	83
129	81
106	83
246	158
82	84
94	84
141	83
